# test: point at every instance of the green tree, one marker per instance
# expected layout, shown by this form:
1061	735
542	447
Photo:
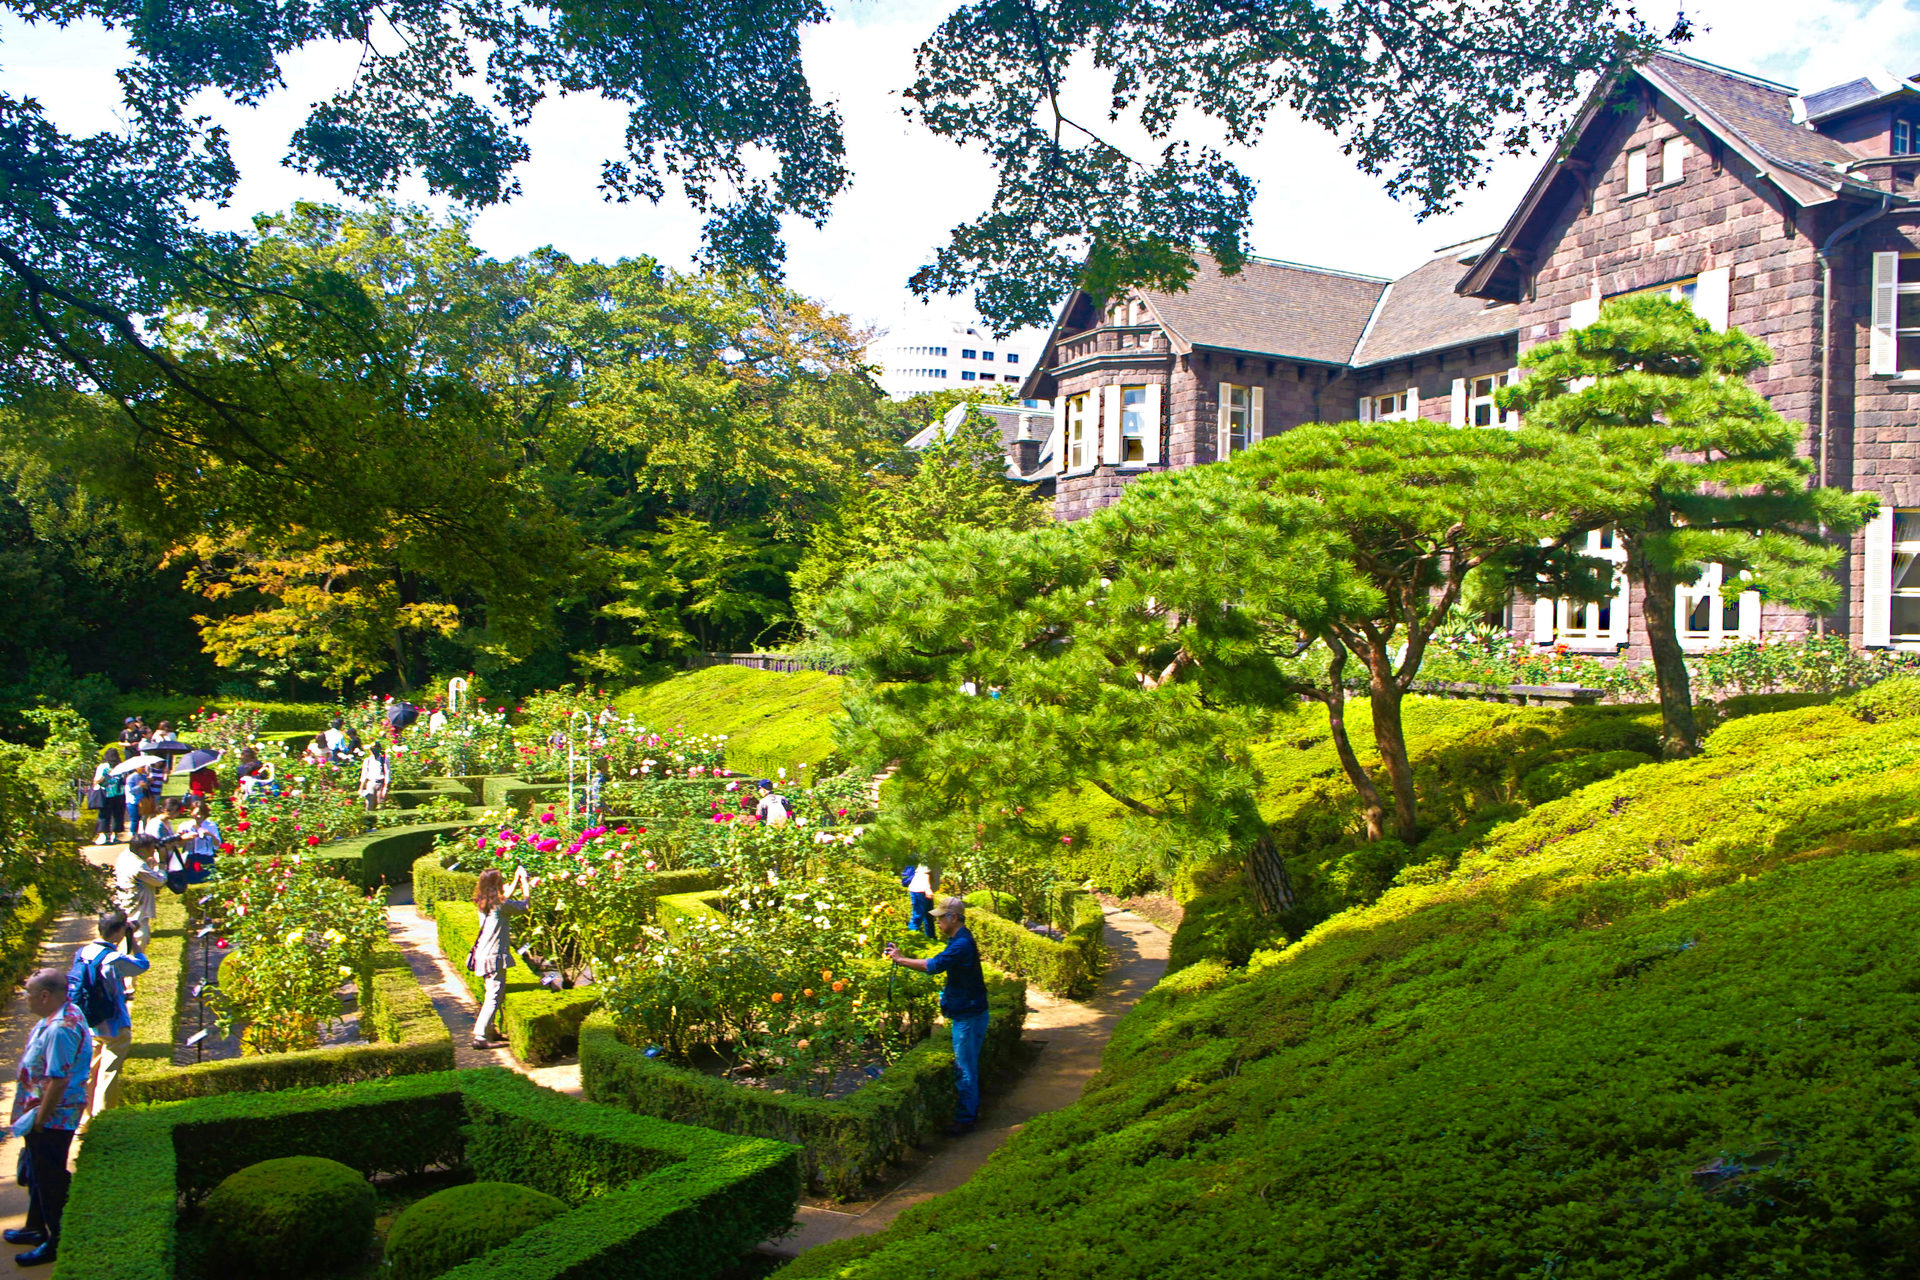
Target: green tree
1136	649
954	488
1715	473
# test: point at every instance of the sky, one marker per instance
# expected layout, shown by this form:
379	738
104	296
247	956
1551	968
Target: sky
909	188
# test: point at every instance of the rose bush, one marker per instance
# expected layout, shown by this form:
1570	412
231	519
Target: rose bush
295	937
788	984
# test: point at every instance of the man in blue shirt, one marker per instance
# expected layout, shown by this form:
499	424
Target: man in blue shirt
964	1002
113	1029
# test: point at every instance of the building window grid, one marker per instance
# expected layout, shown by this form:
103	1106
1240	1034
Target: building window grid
1481	409
1704	618
1591	622
1239	418
1076	433
1906	322
1390	408
1133	424
1903	137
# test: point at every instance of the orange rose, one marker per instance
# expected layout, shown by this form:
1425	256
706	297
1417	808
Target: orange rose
777	997
839	986
808	993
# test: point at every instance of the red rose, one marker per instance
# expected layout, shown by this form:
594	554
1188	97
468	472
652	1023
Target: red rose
313	839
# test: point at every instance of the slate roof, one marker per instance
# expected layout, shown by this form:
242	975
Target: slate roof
1004	416
1422	312
1757	111
1840	97
1270	308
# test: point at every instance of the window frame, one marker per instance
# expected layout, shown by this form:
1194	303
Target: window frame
1476	400
1390	407
1603	635
1895	592
1908	333
1239	439
1901	143
1133	426
1673	160
1076	432
1637	157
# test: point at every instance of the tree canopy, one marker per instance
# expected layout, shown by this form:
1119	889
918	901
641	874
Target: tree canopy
1715	474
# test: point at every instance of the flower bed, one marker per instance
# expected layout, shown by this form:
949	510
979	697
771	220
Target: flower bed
646	1197
406	1034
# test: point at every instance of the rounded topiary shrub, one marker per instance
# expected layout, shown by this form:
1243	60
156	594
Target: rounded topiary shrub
1613	733
1550	782
461	1223
289	1217
994	903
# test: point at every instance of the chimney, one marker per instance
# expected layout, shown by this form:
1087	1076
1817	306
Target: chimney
1026	450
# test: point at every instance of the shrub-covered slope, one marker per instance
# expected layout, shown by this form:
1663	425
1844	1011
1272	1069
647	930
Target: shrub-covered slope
1666	1026
773	720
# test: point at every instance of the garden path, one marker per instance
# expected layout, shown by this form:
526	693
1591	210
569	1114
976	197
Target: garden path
1070	1036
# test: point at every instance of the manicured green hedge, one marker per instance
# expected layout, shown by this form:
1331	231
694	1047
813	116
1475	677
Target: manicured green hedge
650	1198
673	910
407	1035
847	1140
520	794
772	719
282	717
541	1025
1070	967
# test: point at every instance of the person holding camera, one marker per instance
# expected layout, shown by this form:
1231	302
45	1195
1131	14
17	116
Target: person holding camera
492	953
963	1002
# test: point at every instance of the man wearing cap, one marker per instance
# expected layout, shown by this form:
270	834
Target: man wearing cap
963	1000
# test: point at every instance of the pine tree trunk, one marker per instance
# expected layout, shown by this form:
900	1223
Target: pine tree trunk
1266	869
1372	807
1680	732
1391	739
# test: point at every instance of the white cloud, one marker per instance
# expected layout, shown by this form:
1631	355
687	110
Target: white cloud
909	188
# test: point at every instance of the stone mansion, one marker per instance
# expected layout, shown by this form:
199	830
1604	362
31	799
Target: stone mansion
1793	216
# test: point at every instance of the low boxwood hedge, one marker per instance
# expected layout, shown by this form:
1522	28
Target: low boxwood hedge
647	1197
672	911
407	1035
23	934
541	1025
847	1140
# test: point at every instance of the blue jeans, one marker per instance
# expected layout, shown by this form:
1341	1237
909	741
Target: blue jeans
922	918
969	1033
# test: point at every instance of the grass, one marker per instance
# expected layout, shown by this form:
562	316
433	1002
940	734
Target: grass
1664	1026
772	720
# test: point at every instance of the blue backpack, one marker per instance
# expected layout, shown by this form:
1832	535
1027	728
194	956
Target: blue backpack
906	876
93	989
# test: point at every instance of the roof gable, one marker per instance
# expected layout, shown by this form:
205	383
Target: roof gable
1270	308
1423	312
1753	118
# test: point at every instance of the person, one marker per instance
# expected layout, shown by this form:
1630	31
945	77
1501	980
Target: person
317	752
492	953
135	877
48	1095
438	720
112	1026
202	835
773	806
375	775
112	822
350	747
131	732
963	1002
920	886
135	784
202	781
153	819
335	738
163	736
250	766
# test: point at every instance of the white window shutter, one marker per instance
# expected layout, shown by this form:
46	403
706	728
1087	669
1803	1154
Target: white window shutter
1876	623
1151	455
1459	402
1583	312
1225	431
1257	429
1057	438
1883	357
1617	620
1749	615
1412	412
1111	450
1543	620
1510	418
1713	296
1366	410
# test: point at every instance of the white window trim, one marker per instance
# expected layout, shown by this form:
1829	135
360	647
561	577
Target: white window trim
1637	175
1884	346
1078	410
1496	416
1256	409
1381	409
1745	612
1149	423
1673	161
1593	640
1896	639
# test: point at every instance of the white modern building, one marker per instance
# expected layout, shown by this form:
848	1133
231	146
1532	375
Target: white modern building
923	352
